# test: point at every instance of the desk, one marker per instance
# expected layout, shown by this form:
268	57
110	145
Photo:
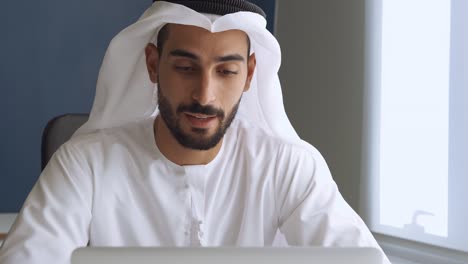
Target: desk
2	236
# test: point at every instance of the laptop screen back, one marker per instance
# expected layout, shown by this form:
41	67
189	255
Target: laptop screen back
294	255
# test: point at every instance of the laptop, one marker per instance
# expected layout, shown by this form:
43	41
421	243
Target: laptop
223	255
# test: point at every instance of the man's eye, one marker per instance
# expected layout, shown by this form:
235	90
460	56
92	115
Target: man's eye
227	72
185	68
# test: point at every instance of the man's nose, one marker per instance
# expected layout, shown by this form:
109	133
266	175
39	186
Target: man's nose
205	92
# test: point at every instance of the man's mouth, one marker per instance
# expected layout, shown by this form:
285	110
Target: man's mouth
200	116
200	120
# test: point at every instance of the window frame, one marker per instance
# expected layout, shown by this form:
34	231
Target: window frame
416	252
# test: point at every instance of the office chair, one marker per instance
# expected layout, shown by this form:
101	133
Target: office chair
57	131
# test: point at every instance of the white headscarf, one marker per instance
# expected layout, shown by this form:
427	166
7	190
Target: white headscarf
125	94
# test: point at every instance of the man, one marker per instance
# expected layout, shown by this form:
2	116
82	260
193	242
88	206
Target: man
187	144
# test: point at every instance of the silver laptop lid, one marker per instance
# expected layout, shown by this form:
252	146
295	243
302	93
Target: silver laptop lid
296	255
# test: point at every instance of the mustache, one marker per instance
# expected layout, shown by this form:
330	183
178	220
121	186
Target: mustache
197	108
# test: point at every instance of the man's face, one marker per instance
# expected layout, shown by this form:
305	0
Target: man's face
201	77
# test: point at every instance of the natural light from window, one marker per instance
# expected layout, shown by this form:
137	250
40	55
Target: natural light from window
414	116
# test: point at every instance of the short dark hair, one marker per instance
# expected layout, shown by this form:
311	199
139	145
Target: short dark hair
163	35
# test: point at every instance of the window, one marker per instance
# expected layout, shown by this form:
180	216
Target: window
416	158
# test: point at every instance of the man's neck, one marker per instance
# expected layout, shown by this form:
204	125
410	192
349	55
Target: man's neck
178	154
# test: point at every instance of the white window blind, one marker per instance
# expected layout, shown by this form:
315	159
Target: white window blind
417	121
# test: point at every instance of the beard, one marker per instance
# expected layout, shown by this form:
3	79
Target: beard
198	139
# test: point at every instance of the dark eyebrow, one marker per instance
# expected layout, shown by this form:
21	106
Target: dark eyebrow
190	55
232	57
184	53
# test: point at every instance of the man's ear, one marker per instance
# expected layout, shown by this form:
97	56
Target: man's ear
152	61
251	63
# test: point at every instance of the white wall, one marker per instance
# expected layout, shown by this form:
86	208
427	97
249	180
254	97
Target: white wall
322	77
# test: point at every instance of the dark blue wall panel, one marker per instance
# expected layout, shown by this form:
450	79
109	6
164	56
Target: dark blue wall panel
50	54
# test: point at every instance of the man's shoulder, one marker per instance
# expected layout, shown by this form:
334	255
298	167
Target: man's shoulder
290	158
253	136
103	138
